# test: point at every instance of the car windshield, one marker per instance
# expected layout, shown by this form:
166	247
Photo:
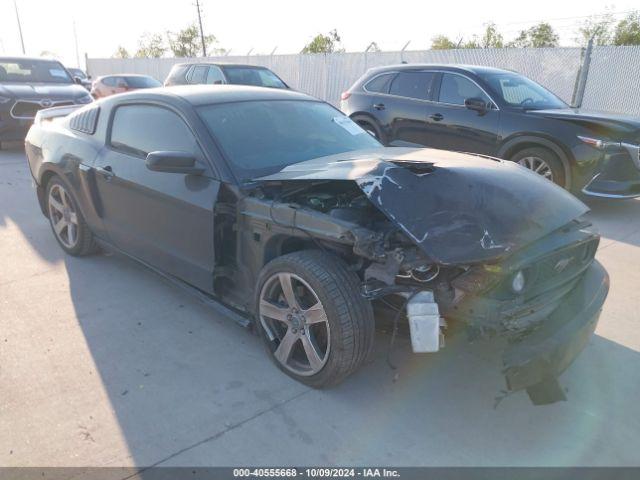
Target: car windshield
262	137
259	77
142	82
518	91
33	71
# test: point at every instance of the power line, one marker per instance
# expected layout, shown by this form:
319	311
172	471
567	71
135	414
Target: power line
548	20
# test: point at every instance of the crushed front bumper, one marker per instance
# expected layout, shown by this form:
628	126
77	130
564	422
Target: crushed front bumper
618	176
535	362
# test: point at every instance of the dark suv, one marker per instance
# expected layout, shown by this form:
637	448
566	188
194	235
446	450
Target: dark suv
499	113
221	73
31	84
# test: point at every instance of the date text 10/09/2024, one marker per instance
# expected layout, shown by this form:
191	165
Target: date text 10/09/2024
316	472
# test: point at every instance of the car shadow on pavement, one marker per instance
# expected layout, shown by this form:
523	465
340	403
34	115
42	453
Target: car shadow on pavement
188	387
616	220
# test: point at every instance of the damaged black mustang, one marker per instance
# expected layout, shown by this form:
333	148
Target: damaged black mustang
281	211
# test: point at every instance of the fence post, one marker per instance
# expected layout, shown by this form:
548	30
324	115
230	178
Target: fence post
583	73
402	51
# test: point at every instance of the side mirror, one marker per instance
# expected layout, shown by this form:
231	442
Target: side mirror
77	80
173	162
476	104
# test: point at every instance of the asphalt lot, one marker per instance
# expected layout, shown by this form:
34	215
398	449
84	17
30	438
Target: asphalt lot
102	363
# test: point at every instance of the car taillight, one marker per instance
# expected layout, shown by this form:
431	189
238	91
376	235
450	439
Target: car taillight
345	95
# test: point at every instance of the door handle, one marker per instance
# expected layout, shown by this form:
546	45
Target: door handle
106	172
436	117
378	106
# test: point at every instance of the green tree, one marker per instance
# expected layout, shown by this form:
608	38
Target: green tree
187	42
328	43
491	37
121	52
473	43
538	36
627	31
442	42
151	45
598	28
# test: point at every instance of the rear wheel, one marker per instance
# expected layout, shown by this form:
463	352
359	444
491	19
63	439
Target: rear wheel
316	325
542	161
371	129
67	222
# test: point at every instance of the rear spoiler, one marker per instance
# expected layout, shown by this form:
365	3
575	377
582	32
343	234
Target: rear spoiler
48	114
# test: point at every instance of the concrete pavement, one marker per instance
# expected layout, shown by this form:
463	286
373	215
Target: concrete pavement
102	363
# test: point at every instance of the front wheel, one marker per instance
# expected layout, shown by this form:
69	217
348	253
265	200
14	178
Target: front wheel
542	161
316	325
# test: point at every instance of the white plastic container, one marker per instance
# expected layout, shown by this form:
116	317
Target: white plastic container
424	323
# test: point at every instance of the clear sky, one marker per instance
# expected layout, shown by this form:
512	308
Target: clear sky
241	25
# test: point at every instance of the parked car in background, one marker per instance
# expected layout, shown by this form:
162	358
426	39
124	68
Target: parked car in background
299	229
28	85
80	77
111	84
221	73
500	113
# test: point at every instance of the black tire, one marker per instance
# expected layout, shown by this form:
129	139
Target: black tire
85	243
371	127
548	157
349	315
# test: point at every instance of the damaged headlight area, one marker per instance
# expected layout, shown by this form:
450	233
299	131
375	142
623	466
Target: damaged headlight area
498	271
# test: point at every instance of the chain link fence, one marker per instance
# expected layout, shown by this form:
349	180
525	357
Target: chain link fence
611	83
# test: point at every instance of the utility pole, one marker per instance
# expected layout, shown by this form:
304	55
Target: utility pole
204	45
15	4
75	38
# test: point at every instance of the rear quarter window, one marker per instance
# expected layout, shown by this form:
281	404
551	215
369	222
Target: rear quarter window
197	74
379	84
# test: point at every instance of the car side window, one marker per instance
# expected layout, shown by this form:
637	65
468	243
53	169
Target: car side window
379	84
198	74
455	89
413	85
109	81
215	76
140	129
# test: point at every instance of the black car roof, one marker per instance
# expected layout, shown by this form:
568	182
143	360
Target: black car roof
124	75
476	69
221	64
212	94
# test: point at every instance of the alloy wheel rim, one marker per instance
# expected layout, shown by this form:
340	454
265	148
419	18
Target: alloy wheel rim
296	323
537	165
63	216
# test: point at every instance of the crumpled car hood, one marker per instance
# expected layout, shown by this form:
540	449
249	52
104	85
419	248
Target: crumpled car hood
458	208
